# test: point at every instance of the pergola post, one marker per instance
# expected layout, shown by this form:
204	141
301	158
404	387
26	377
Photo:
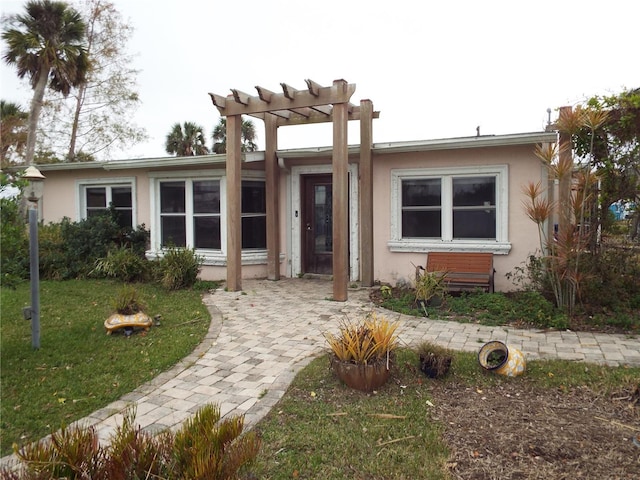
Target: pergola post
234	203
272	198
340	199
366	193
316	104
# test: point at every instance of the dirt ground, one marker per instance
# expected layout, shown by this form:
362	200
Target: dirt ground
512	431
519	431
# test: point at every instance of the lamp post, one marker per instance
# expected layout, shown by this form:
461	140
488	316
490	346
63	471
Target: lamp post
34	193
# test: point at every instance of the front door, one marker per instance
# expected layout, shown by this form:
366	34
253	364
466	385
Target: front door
317	224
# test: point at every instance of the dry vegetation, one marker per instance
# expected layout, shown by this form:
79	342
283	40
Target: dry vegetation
517	431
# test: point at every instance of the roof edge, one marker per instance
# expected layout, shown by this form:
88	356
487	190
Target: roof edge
308	152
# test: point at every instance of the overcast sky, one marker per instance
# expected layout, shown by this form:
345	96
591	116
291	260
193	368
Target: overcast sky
432	69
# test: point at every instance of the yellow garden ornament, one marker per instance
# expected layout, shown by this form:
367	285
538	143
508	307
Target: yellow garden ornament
497	357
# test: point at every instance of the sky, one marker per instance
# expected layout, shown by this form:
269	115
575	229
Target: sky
434	69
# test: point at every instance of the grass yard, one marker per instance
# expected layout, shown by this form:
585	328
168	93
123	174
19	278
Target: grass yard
79	368
470	424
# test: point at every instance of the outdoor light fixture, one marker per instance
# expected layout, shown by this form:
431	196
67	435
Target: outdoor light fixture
33	193
36	184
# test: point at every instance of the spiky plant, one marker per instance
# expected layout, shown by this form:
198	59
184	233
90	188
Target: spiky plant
563	250
206	447
369	340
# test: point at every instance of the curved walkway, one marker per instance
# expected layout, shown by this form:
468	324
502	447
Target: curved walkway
261	337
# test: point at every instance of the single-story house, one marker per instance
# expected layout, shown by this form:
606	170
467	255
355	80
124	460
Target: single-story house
451	195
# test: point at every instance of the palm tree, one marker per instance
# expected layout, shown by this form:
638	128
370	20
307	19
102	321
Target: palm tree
247	136
46	45
186	140
13	131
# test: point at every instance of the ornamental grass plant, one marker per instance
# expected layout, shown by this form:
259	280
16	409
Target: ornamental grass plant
371	339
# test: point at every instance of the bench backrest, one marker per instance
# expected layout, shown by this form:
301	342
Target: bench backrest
460	262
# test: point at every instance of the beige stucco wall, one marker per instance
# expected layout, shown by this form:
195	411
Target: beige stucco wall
522	165
61	200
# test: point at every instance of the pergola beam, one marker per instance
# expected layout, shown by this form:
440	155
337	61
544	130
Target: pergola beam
340	92
240	97
288	91
314	88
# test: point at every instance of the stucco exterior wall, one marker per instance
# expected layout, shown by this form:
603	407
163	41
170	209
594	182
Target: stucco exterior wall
61	199
393	267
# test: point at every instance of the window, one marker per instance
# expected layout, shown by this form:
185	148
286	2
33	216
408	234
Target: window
97	198
254	215
474	207
435	208
190	214
422	208
192	203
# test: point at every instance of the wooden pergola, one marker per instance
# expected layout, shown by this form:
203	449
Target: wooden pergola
315	104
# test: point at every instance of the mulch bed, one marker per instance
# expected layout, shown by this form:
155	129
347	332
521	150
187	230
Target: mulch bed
515	431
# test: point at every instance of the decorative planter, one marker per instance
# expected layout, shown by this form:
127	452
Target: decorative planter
496	357
365	378
136	320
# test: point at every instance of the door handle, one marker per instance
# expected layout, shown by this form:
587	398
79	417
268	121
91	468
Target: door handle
308	227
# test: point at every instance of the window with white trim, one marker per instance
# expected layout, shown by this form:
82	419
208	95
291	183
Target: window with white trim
96	199
190	214
435	208
254	215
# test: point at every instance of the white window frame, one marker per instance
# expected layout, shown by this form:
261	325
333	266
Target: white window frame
210	257
500	245
81	194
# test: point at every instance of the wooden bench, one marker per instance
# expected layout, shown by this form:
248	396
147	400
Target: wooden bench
463	271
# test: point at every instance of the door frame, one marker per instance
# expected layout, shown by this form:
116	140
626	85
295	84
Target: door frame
297	172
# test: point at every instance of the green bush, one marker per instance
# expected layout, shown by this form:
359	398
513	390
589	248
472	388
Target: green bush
52	252
124	264
14	261
72	249
178	268
611	279
205	447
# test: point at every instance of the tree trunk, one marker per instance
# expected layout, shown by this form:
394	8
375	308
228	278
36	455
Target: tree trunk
82	90
34	114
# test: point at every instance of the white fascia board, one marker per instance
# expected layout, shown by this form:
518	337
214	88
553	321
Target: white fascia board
427	145
198	160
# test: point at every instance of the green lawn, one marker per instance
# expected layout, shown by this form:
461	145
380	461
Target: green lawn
323	429
78	368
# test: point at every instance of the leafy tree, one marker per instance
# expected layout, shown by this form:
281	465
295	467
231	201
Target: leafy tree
613	150
186	140
46	44
247	136
13	132
96	118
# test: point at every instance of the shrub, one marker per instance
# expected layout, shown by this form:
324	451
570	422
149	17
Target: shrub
52	252
205	447
178	268
71	249
124	264
14	261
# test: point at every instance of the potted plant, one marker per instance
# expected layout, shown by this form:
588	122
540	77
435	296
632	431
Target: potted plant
363	351
129	312
430	288
435	360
